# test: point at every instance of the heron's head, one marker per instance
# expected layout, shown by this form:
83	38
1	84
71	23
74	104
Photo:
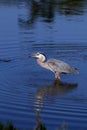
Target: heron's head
39	55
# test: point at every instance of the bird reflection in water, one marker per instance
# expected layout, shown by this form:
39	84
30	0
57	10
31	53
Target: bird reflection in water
57	89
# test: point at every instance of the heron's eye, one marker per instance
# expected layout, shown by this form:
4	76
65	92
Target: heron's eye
38	54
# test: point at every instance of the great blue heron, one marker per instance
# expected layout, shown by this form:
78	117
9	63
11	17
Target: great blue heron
56	66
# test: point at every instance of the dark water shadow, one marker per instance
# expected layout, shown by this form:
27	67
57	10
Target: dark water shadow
57	88
46	9
6	60
39	124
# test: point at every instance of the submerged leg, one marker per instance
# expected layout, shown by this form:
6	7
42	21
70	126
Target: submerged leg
57	75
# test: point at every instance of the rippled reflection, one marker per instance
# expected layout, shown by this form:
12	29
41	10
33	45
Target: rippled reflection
58	88
58	29
71	7
39	124
46	9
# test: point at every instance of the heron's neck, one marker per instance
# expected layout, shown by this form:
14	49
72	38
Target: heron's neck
41	59
42	62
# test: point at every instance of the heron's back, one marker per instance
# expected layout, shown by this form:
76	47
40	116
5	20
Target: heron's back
60	66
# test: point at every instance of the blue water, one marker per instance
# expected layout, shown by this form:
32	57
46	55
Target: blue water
29	93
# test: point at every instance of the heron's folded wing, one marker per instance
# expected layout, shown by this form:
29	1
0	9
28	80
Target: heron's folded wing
58	65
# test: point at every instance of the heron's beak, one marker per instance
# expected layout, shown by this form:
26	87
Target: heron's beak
33	56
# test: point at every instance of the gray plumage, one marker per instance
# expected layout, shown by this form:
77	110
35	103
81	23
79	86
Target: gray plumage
60	66
56	66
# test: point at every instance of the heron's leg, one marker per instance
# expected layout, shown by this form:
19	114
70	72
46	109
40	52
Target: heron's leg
57	75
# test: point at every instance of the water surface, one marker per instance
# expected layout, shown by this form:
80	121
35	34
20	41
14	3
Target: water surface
29	93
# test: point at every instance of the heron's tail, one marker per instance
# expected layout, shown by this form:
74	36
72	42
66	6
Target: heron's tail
74	70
